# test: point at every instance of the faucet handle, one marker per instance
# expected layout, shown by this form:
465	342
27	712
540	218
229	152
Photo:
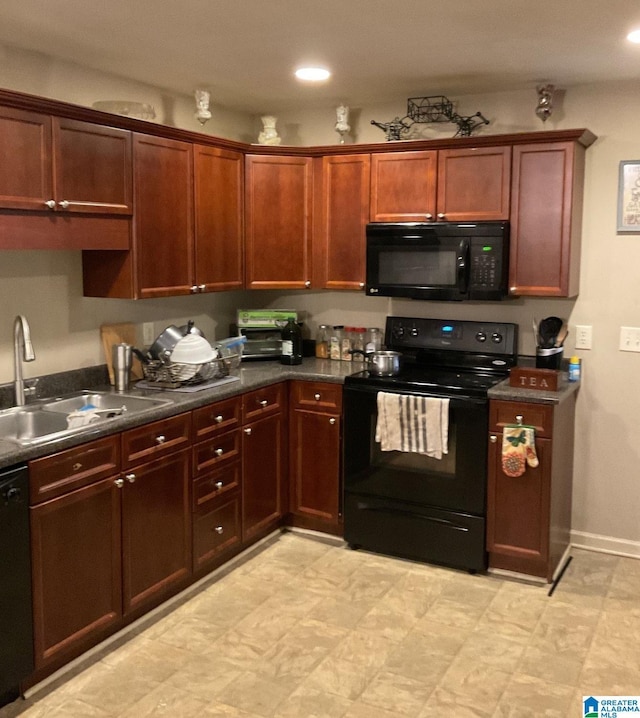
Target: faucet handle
31	386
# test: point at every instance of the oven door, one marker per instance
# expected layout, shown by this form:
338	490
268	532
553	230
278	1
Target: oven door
457	482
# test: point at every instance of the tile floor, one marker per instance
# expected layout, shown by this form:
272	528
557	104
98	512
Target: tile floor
308	629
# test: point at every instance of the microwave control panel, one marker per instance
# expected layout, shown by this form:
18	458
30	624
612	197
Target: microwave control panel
486	265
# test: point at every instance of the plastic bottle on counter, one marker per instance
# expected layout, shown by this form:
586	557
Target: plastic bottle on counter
358	343
291	343
345	344
373	340
335	343
574	369
322	341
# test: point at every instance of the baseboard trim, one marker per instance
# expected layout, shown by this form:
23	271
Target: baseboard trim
605	544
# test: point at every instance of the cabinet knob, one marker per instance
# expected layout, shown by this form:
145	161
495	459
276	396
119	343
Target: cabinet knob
307	284
202	287
361	285
77	466
194	289
441	215
131	478
428	215
218	485
493	438
119	483
218	419
219	530
263	402
332	421
519	419
160	439
219	452
50	203
247	432
316	397
63	203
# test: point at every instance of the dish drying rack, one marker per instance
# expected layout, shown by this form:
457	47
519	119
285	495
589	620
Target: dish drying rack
173	375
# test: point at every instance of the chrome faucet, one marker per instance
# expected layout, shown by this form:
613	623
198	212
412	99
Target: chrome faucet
21	339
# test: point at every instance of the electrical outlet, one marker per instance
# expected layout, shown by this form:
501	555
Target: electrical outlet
148	333
630	339
584	336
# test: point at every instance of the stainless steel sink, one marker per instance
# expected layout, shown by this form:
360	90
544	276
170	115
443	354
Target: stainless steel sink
46	420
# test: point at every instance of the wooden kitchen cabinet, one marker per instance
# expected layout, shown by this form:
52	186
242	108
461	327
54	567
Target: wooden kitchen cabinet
315	449
342	213
546	219
454	185
219	211
278	221
264	460
55	170
156	531
529	516
76	549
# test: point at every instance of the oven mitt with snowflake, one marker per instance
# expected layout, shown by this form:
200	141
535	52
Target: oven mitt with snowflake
518	449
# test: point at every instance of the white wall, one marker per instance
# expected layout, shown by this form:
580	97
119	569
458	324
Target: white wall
46	286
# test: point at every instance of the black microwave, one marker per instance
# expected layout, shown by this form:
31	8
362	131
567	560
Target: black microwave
446	261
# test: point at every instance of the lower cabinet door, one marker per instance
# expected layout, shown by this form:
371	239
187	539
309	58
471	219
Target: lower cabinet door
262	475
76	554
216	528
156	530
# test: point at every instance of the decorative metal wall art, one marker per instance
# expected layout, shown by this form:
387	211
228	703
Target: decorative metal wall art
545	101
423	110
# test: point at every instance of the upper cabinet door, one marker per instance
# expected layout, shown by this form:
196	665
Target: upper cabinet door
278	221
474	184
403	186
26	176
219	193
343	213
163	221
546	219
93	168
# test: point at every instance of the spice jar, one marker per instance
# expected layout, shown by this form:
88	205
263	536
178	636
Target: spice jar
373	340
345	345
335	343
322	341
357	344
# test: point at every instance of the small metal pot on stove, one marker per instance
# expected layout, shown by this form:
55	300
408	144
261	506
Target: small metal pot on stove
381	363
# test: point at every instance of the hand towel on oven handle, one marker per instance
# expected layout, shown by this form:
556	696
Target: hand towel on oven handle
518	449
411	423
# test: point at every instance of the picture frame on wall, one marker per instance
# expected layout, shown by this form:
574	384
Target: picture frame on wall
629	196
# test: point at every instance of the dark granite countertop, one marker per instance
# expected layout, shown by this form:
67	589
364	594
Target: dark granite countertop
252	375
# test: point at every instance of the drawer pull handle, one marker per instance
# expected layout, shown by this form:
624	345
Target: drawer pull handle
493	438
316	397
64	203
332	421
77	466
219	452
519	419
219	485
247	432
263	402
119	483
218	419
219	529
202	287
50	203
160	439
131	478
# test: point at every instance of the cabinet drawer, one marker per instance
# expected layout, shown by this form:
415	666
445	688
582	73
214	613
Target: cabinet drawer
74	468
217	418
262	401
316	395
217	450
209	490
155	440
216	530
540	416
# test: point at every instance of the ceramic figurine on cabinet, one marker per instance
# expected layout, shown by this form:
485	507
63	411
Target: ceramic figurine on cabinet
269	134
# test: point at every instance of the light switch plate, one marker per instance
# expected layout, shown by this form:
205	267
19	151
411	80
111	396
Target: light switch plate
584	336
630	339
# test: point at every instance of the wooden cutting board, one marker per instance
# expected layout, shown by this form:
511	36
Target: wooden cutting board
118	334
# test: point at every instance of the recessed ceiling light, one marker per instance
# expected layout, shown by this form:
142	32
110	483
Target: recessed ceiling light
634	36
312	74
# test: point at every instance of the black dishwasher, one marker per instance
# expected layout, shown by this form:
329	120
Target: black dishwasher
16	626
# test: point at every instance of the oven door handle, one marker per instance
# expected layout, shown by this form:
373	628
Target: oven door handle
431	519
463	265
455	400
